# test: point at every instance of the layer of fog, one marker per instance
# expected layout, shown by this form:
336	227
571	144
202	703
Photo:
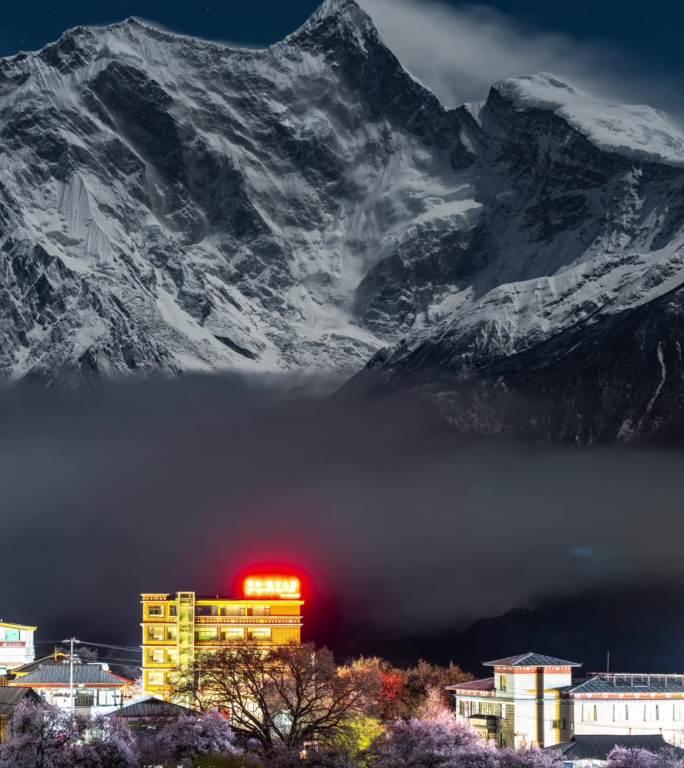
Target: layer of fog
166	485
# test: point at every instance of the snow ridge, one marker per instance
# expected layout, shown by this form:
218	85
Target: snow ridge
636	130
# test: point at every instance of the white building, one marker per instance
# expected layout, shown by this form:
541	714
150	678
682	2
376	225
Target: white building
521	705
632	704
94	690
16	645
532	701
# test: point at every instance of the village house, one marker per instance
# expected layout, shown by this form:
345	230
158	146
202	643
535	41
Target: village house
531	700
93	688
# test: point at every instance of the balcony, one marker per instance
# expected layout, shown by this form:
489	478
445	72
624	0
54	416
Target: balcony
243	621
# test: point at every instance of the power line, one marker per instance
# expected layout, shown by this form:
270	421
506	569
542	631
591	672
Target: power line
128	648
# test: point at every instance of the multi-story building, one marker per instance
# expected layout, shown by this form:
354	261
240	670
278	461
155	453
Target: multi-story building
178	627
532	701
522	704
16	645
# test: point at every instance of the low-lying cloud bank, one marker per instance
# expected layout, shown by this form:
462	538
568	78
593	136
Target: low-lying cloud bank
166	485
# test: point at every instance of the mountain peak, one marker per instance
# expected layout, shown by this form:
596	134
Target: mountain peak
336	19
629	129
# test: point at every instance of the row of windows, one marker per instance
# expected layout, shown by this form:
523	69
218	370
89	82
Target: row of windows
489	708
210	634
624	712
160	611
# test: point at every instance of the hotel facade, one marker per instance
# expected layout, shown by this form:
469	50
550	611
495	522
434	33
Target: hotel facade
177	628
531	701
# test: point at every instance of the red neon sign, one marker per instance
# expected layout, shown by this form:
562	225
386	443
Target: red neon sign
286	587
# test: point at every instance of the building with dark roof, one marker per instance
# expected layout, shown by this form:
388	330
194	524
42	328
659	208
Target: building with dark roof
532	701
593	750
150	713
57	657
94	689
630	704
9	699
522	704
531	660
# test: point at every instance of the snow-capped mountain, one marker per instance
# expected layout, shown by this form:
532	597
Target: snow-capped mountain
564	316
172	204
168	203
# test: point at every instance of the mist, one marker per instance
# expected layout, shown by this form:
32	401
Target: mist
399	526
459	52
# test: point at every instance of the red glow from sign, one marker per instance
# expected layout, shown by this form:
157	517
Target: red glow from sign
276	585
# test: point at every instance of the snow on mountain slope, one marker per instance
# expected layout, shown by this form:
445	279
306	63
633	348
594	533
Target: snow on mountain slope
579	230
168	203
172	204
640	131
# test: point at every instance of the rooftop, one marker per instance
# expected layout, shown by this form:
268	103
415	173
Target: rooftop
598	747
630	683
10	625
58	675
10	697
151	707
53	658
531	659
486	684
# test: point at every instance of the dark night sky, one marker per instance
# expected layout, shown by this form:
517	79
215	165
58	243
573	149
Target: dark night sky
164	485
177	485
644	39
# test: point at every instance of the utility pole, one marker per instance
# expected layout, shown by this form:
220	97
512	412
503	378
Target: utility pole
608	662
72	698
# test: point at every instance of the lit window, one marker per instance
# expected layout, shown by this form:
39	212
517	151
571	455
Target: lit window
155	679
156	633
260	633
233	633
155	610
158	656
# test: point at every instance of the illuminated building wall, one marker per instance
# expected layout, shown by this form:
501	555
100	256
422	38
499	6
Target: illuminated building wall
16	645
177	627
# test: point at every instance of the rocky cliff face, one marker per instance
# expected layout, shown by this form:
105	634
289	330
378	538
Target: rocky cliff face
562	318
167	203
171	204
